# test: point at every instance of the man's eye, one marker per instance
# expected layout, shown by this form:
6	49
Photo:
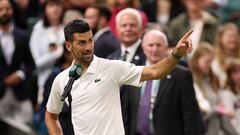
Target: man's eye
90	40
82	42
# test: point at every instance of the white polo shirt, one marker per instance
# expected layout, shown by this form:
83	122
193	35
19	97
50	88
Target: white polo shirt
96	108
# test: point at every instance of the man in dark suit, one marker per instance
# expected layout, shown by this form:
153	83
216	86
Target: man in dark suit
129	31
169	106
16	65
105	42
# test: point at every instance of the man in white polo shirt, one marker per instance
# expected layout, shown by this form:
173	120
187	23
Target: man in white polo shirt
96	106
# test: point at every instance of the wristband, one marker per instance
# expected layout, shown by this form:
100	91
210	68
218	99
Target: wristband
178	57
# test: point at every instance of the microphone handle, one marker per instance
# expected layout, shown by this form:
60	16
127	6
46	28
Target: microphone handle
67	88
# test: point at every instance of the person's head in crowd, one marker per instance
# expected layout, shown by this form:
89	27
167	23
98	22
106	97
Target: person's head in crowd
227	42
53	12
79	41
70	15
104	16
129	26
123	3
193	6
154	46
91	15
200	65
6	12
233	75
153	25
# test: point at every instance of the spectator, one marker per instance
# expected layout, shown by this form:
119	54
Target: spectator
46	41
172	103
105	41
195	17
227	46
92	17
162	11
207	87
118	5
129	29
230	96
70	15
80	5
16	65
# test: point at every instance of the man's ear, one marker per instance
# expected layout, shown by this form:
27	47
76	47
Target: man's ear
68	45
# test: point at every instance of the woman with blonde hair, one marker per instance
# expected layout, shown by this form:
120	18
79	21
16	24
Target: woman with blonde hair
230	95
206	86
227	46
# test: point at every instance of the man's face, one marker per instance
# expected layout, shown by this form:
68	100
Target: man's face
6	12
128	29
92	17
82	47
154	47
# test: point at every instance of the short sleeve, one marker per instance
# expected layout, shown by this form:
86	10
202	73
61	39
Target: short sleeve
126	73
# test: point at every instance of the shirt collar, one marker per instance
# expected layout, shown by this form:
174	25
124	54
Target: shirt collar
93	67
132	48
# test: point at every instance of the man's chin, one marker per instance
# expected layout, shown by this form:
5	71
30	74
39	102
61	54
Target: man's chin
88	58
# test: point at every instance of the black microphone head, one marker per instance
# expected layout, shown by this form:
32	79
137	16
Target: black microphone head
76	71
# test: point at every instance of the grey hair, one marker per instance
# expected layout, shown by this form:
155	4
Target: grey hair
129	11
159	33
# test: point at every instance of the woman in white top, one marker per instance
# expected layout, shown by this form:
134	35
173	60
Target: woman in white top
46	42
227	46
230	96
206	86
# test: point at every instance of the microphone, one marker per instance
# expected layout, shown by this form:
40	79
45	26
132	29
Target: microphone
74	73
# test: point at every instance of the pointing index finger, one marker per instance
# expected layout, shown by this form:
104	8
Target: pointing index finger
186	35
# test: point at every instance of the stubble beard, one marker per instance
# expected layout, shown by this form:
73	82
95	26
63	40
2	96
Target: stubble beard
87	59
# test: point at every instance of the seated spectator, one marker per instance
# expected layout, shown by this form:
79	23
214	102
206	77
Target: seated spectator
203	23
46	41
70	15
207	88
230	96
162	11
105	42
16	66
227	46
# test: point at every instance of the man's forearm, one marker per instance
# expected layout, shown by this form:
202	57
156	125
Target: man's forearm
160	69
53	125
165	66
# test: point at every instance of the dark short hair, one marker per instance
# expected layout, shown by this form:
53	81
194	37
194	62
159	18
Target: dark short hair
75	26
105	12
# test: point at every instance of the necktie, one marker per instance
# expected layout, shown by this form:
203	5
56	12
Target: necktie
144	110
124	56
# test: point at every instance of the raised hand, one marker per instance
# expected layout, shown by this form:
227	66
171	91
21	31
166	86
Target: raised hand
184	45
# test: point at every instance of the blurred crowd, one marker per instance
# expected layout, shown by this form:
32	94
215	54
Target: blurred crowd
32	53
